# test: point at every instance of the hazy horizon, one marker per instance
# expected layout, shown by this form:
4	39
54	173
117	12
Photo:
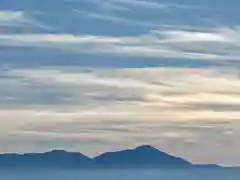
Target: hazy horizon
124	174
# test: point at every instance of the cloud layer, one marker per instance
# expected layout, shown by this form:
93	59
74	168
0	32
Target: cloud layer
86	75
75	106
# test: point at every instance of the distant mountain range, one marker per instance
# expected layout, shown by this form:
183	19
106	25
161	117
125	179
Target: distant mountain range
143	156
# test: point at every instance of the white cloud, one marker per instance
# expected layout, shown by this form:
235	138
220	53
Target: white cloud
10	21
9	16
141	4
217	44
185	36
12	18
153	5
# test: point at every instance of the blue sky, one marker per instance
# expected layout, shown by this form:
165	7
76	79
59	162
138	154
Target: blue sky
100	75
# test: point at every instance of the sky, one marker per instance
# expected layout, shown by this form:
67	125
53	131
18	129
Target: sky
104	75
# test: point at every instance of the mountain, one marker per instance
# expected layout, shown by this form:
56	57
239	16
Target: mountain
140	156
55	158
143	156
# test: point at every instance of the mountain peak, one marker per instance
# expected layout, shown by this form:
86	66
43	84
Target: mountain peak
144	155
146	148
57	151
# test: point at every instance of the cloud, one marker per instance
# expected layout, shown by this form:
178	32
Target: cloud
171	108
216	107
19	21
153	5
11	17
218	45
134	90
117	20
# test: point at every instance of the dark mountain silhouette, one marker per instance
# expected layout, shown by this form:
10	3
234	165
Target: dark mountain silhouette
55	158
140	156
143	156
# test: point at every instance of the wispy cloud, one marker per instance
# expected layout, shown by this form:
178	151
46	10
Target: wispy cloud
19	21
11	18
219	44
116	19
106	88
154	5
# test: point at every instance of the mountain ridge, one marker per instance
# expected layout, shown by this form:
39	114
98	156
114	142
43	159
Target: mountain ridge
142	156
